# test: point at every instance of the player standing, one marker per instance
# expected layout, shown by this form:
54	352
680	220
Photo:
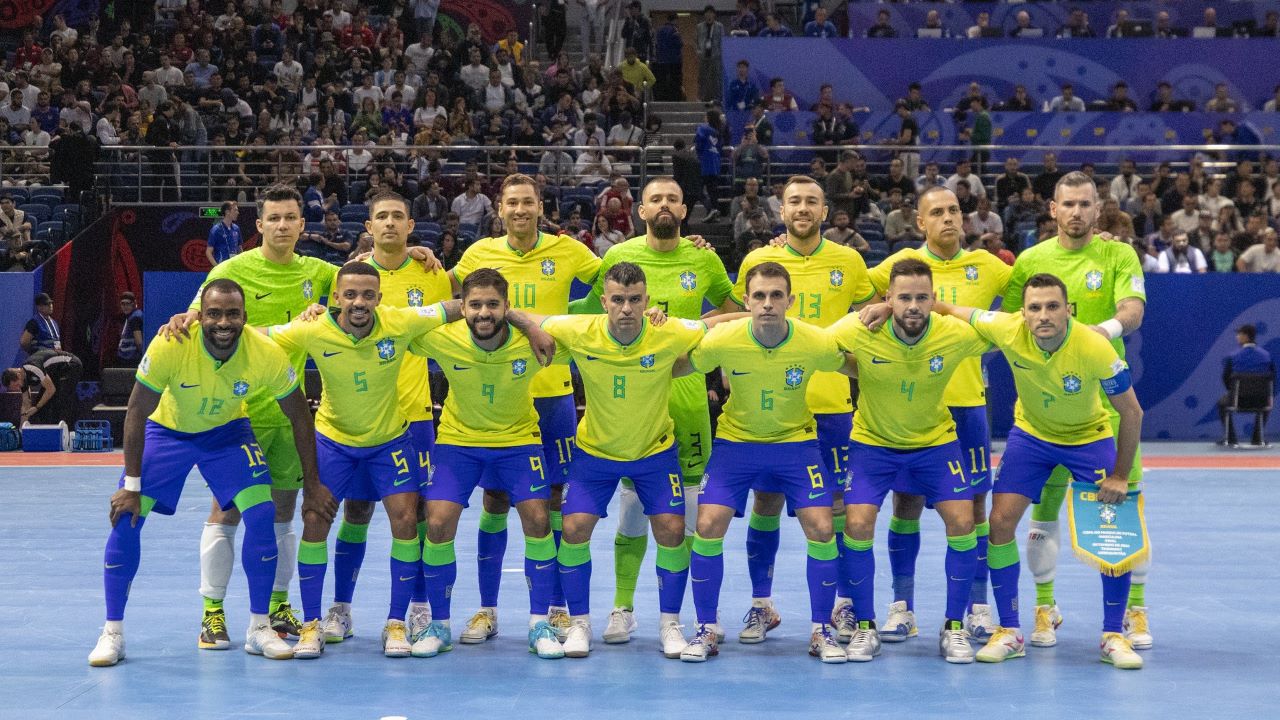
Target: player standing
828	280
766	439
905	440
1106	291
188	409
1058	421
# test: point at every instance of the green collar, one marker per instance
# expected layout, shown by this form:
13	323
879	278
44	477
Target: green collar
511	333
928	326
377	322
644	328
522	253
403	265
821	244
790	331
935	256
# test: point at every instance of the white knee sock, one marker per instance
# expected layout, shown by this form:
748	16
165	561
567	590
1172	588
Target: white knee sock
287	561
1042	550
691	510
1138	575
217	558
631	519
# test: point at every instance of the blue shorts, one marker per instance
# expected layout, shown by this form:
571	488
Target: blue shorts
227	456
517	471
934	472
656	478
975	445
1028	461
423	436
794	469
558	422
368	473
834	430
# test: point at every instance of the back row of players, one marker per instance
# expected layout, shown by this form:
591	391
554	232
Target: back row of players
228	402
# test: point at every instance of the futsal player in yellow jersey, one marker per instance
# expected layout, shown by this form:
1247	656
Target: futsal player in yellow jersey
405	282
540	269
973	278
1059	420
828	280
904	439
188	410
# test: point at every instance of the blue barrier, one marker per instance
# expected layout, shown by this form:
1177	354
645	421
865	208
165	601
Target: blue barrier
18	288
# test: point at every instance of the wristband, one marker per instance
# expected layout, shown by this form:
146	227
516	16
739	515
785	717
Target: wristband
1113	327
132	483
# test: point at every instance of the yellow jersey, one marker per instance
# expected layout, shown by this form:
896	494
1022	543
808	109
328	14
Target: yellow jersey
411	286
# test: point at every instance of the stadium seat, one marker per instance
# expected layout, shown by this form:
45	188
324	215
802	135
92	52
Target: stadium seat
428	227
354	213
874	257
352	227
47	196
878	245
314	227
871	234
19	194
37	212
469	231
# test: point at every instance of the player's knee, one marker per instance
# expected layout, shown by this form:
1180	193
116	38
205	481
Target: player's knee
218	516
859	527
360	512
668	530
768	504
710	523
497	503
535	519
908	507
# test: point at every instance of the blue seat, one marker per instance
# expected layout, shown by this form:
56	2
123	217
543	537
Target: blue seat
469	231
875	257
878	245
48	196
428	227
354	213
314	227
871	235
37	212
19	194
354	228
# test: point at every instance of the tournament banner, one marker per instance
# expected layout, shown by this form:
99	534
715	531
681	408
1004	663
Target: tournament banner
1109	537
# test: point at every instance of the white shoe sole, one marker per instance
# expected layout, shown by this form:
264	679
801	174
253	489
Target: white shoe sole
105	662
618	638
1041	643
959	660
895	638
576	653
272	656
476	639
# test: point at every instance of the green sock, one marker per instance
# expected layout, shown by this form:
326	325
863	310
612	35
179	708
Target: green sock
211	605
278	598
628	557
1044	593
1138	594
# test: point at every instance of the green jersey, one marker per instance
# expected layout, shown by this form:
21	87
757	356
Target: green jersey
1098	277
678	281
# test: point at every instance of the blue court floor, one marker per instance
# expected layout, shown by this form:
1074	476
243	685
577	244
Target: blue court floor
1210	594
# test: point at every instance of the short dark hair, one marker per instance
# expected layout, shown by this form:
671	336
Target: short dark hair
126	295
8	376
517	179
279	193
222	285
388	196
43	299
625	273
1043	280
1249	331
910	267
1074	178
227	206
802	179
357	268
768	269
484	278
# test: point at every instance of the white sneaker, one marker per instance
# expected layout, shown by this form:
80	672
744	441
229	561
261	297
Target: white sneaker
395	640
577	642
543	642
1137	629
108	651
419	618
759	621
900	624
432	640
622	622
262	640
1117	651
1005	644
864	645
702	646
953	643
718	629
482	626
823	645
671	639
843	621
336	625
311	641
1048	620
558	619
980	622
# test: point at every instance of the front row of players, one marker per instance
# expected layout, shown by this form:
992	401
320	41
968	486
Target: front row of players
188	410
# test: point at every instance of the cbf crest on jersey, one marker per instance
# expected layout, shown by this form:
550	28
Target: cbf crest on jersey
386	349
548	267
837	278
1071	383
794	376
518	367
1093	280
935	364
688	280
971	273
415	296
646	361
240	388
308	289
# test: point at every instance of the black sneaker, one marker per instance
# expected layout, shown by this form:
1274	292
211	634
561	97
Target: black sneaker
213	631
285	621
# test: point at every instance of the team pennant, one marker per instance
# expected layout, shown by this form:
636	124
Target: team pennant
1107	536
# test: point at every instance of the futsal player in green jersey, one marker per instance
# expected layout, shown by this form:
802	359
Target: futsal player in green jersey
904	439
973	278
680	279
1106	291
188	410
540	269
828	280
405	283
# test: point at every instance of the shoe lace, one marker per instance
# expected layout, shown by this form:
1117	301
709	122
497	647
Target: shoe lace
396	631
309	632
286	613
754	618
481	621
845	616
958	637
559	619
216	623
1004	635
1138	622
1044	621
706	635
542	631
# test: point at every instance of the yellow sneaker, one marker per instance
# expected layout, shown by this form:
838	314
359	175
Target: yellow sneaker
482	626
1048	620
1137	629
1117	651
311	641
1005	644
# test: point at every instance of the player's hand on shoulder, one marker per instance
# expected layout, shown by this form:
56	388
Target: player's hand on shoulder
874	315
701	243
543	345
657	317
426	258
1114	489
124	501
779	240
1106	236
314	311
179	326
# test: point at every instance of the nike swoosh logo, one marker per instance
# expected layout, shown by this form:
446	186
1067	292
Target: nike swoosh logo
109	566
407	579
675	503
185	386
432	575
308	577
960	489
858	582
481	558
592	357
260	473
878	361
978	482
698	580
1020	365
815	496
398	483
331	354
693	463
566	571
269	559
827	584
460	367
736	373
536	488
543	567
955	579
259	297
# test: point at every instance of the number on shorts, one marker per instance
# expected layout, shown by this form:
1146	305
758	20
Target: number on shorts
766	402
1102	475
254	453
815	476
564	448
487	391
955	468
620	386
362	385
976	454
835	460
535	464
677	484
402	465
909	389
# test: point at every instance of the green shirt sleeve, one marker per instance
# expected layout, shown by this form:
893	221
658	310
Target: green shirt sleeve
721	287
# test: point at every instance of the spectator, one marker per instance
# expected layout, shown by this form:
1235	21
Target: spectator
900	226
710	34
1221	100
996	246
16	113
1187	219
636	72
1067	101
430	205
494	97
930	178
842	192
1077	26
592	166
964	195
908	136
1045	182
625	133
983	223
841	234
589	131
1125	184
604	236
774	27
1162	237
471	206
761	123
1249	359
982	23
1113	220
1212	199
1181	257
41	332
914	100
933	26
964	173
1023	27
882	28
1020	102
1260	257
686	168
1221	256
1274	103
820	26
1246	200
779	99
747	203
755	229
637	31
1174	198
47	381
668	49
1010	184
1119	101
15	229
130	346
743	93
224	237
707	142
1165	101
745	23
556	164
897	178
